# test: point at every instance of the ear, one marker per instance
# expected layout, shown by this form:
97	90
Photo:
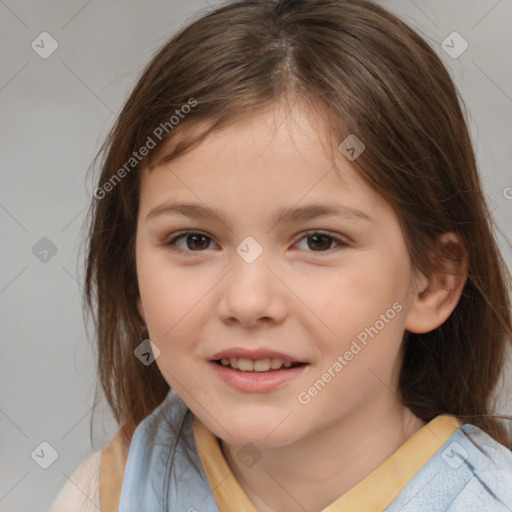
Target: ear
140	309
440	292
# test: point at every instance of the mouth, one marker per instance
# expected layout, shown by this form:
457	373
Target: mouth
263	375
257	366
257	370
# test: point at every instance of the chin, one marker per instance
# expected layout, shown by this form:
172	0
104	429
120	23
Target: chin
262	434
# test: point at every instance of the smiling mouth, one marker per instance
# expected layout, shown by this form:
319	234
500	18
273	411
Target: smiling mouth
265	365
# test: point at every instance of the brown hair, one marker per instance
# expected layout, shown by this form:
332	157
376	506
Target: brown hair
367	73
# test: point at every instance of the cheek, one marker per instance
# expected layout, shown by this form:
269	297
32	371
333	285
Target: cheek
351	296
359	305
171	296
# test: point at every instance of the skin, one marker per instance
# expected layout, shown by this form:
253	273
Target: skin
305	299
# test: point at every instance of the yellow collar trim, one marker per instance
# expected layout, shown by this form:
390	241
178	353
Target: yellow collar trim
375	492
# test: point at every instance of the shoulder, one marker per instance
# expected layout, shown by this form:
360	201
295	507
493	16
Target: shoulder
470	472
163	470
487	453
81	492
489	468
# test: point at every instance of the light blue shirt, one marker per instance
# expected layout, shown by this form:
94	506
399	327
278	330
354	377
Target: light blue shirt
159	478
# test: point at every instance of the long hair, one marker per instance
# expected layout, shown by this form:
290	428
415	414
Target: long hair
364	72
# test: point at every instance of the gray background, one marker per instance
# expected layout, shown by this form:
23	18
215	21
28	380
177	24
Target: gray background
55	113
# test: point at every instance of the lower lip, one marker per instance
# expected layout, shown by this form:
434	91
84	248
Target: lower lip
257	382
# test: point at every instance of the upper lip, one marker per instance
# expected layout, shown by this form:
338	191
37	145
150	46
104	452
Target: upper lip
260	353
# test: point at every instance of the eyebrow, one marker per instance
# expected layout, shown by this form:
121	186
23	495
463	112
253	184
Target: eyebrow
285	215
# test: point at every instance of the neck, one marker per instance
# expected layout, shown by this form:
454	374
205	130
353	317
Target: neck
314	472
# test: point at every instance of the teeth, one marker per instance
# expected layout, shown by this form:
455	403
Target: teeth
246	365
259	365
275	363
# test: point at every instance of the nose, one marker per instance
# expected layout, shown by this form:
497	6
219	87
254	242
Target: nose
253	293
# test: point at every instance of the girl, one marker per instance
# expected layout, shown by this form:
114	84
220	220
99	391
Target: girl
300	302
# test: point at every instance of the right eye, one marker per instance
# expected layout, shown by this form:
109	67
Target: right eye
194	241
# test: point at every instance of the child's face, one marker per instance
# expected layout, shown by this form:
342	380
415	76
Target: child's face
308	299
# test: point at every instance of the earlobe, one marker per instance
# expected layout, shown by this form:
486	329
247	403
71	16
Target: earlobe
440	292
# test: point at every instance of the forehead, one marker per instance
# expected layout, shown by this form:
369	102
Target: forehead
278	156
289	113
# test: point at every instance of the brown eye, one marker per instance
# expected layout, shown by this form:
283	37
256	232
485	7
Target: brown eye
194	242
321	242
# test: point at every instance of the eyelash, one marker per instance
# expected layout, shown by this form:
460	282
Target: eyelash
172	242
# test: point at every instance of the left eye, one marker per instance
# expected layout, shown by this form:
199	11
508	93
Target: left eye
197	242
321	241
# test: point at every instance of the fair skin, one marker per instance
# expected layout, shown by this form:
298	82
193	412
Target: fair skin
305	297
